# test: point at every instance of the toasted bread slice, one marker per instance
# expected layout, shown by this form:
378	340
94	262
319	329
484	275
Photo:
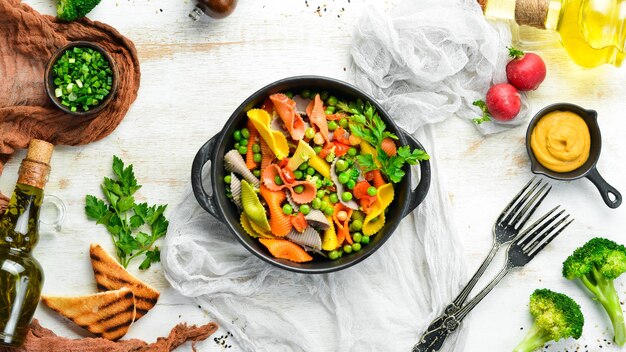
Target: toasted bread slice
110	275
107	314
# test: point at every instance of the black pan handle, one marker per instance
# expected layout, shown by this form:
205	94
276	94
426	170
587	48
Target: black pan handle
206	201
606	190
420	192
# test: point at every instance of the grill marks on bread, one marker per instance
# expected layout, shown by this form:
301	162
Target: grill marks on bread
106	314
110	275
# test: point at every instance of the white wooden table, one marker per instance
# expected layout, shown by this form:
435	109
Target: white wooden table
195	74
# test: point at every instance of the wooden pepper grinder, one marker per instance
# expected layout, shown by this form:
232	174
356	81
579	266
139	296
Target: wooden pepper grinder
213	8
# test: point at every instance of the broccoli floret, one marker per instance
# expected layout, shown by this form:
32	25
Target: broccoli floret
70	10
597	264
556	317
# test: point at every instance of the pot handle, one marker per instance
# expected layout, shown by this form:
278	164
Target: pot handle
606	190
420	192
206	201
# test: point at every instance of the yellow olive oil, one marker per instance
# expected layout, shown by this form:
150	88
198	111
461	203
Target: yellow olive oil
21	276
593	32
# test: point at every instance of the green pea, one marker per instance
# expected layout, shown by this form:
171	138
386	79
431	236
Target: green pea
237	135
316	203
303	166
347	248
243	149
312	94
298	189
357	237
341	165
333	255
332	100
305	93
350	184
309	133
305	209
365	240
256	172
317	149
243	142
278	180
257	157
333	198
229	195
332	125
352	151
356	225
256	148
329	210
320	194
289	95
346	196
298	174
343	177
319	183
328	182
310	171
343	123
227	179
287	209
329	110
324	95
371	191
356	247
245	133
237	145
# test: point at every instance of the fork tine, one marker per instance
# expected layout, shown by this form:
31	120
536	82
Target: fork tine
514	200
543	233
518	205
538	249
523	236
523	216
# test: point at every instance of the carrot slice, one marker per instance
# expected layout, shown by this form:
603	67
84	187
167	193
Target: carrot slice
317	116
285	249
279	222
336	116
286	109
254	134
341	135
360	190
299	222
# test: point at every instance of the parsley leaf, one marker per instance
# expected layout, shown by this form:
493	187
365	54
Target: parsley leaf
125	220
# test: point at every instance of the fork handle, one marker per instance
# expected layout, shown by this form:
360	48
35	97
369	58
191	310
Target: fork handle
462	296
434	337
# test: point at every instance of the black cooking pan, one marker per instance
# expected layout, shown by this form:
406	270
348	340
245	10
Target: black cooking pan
217	204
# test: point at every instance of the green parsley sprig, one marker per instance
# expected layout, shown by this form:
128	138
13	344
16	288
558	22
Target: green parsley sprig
127	220
366	124
483	107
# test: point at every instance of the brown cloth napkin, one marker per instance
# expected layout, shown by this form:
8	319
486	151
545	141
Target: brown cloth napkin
27	40
40	339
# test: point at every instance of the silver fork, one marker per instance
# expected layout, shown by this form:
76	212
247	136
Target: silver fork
522	250
507	226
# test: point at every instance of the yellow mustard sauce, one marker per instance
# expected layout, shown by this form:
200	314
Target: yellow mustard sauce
561	141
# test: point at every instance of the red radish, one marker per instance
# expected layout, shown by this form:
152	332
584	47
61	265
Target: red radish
526	71
503	104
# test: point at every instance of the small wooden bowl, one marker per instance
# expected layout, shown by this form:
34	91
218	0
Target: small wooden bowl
49	78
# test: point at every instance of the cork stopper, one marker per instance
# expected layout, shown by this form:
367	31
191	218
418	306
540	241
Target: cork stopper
39	151
532	12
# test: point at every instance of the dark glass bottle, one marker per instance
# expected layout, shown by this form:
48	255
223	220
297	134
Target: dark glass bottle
21	276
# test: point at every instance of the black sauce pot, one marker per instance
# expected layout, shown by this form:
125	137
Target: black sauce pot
610	194
217	204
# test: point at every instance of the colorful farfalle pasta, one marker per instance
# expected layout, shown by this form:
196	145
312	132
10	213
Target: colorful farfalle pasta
306	175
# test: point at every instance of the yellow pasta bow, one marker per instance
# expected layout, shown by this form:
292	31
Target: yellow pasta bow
252	206
303	153
329	242
375	220
274	139
252	229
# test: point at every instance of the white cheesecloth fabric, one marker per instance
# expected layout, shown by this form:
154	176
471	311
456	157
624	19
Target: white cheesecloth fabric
424	65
